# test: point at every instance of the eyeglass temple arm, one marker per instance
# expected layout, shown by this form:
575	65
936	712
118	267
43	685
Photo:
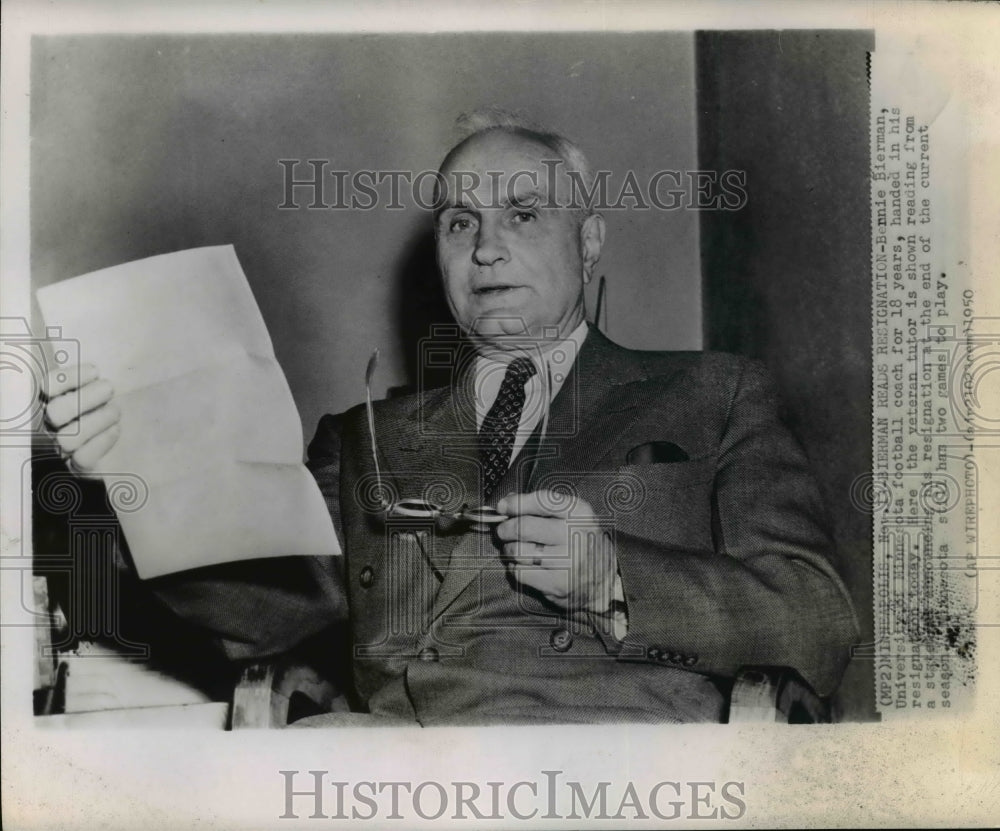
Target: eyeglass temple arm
547	399
369	374
601	289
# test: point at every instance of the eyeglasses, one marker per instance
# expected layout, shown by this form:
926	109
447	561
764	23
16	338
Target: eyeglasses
480	517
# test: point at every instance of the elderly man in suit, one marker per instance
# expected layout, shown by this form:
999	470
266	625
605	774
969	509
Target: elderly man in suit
655	527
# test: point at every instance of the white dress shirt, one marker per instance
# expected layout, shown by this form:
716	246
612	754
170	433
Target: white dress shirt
552	365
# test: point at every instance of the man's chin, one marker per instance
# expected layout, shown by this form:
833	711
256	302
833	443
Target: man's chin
492	327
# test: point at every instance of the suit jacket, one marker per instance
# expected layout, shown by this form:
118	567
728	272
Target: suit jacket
723	556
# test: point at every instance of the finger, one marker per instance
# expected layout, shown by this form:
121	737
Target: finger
87	457
76	434
64	379
63	409
535	555
517	553
531	529
551	582
544	503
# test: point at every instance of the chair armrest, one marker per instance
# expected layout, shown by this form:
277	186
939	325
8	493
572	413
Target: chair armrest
775	694
269	692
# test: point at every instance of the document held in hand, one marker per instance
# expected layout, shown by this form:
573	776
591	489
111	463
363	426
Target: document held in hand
208	422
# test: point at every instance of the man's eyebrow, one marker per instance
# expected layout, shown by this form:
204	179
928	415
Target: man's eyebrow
529	198
461	205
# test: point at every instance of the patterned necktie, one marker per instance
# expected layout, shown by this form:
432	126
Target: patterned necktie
496	436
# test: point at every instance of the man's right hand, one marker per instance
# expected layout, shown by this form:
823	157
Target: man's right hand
84	423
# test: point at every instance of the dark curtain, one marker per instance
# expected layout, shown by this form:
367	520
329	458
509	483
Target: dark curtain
786	277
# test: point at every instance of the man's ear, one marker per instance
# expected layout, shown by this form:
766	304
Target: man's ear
591	243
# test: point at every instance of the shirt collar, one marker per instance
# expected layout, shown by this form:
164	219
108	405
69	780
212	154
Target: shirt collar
555	362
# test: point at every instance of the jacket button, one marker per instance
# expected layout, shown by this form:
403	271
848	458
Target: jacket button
561	640
653	653
428	654
367	577
690	660
676	657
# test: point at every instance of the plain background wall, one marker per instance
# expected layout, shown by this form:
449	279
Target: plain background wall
787	279
143	145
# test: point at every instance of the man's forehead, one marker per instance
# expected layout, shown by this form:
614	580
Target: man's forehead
494	188
500	169
497	151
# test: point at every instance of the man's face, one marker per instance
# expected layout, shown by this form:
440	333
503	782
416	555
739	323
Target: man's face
513	261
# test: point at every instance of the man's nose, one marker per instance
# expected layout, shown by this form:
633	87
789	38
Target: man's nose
490	247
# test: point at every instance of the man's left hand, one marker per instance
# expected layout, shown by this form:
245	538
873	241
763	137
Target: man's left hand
554	544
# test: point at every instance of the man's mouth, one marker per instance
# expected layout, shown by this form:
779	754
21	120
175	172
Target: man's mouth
492	290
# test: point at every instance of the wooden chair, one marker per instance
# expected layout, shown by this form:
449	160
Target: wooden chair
275	694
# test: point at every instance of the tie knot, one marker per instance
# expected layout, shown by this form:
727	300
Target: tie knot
519	371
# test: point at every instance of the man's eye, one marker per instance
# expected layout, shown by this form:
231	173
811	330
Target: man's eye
524	216
459	224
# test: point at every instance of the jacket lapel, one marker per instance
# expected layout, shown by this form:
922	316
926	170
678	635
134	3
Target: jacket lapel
596	406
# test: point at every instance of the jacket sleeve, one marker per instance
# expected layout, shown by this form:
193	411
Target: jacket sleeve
768	595
264	607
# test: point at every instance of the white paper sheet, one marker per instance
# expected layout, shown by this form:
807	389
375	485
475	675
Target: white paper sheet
208	421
